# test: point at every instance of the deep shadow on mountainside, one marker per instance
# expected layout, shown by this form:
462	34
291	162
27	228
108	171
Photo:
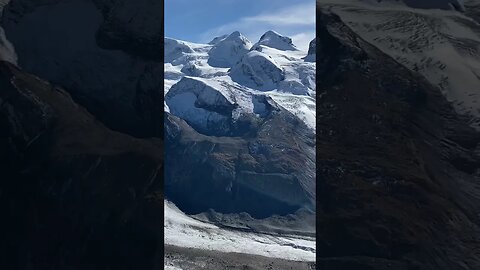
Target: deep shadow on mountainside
73	194
106	53
396	166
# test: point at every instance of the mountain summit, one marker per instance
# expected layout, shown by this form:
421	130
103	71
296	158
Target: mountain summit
274	40
226	52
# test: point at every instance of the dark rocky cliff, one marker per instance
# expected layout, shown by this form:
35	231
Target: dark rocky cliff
73	193
396	166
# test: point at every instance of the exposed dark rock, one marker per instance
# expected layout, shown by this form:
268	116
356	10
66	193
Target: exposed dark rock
312	51
262	173
73	194
195	259
396	186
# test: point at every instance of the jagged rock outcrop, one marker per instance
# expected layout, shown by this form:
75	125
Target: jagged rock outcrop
261	174
312	51
73	193
396	164
230	146
175	49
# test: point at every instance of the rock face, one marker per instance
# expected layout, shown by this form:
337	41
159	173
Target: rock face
312	51
104	53
443	46
397	186
7	51
74	194
234	174
229	145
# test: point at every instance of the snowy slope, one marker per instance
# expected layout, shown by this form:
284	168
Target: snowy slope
228	51
182	230
441	45
231	67
274	40
213	86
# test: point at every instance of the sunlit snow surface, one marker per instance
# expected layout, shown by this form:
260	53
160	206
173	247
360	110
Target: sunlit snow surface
184	231
206	74
295	93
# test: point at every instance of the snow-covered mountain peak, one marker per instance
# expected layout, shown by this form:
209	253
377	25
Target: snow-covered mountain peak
228	51
217	39
275	40
174	49
228	67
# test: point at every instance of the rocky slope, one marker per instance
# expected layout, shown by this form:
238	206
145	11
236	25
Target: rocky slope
73	193
397	183
233	110
230	126
441	45
107	54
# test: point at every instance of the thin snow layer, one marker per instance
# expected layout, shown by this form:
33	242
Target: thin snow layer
293	89
443	46
228	51
184	231
7	51
274	40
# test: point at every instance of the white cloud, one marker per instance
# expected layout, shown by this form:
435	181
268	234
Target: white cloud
302	40
297	21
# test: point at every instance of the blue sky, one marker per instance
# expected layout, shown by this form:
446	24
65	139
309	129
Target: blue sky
202	20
